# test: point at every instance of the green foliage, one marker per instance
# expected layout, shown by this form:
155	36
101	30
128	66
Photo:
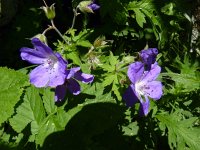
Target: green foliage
115	10
31	111
104	43
188	79
115	73
181	133
71	50
12	83
146	8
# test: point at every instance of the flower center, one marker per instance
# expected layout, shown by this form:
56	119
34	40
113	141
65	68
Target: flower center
51	64
140	87
51	61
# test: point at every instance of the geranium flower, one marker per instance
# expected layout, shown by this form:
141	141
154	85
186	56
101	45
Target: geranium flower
143	85
148	57
51	69
71	83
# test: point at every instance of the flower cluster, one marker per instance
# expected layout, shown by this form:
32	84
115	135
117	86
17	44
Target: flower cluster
143	81
52	70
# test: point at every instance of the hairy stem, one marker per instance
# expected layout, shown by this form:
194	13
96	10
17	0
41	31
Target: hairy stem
56	29
47	29
74	18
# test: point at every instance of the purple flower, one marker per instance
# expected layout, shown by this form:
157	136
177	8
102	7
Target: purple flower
148	57
71	83
93	6
51	69
143	85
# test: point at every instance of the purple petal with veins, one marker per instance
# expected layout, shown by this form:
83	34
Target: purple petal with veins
51	69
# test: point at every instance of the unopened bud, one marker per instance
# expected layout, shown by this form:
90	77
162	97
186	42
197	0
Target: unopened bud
49	11
41	37
88	6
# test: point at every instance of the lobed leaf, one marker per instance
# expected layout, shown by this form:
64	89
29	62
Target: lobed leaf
181	134
30	111
11	83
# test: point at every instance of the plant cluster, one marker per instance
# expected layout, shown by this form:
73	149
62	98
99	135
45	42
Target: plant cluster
130	81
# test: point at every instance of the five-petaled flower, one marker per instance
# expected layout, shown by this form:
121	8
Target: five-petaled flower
71	83
143	85
148	57
52	68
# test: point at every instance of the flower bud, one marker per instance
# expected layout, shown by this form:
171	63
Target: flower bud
100	41
41	37
88	6
49	11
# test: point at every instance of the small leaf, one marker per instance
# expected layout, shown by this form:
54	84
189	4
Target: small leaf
140	17
84	43
113	60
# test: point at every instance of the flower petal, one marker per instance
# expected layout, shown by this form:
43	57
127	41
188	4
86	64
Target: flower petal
44	75
40	76
93	6
154	89
71	72
149	57
60	92
83	77
144	107
57	74
33	56
130	97
73	86
60	59
135	71
152	74
41	47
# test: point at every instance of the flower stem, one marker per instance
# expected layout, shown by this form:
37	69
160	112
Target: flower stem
74	18
47	29
56	29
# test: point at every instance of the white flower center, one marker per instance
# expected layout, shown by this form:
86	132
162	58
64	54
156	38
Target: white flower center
140	87
51	63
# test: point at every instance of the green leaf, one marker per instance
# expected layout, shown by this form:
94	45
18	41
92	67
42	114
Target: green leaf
46	128
49	101
131	129
11	83
147	8
30	111
188	79
74	56
140	17
85	43
181	134
113	60
108	79
115	10
54	122
115	88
